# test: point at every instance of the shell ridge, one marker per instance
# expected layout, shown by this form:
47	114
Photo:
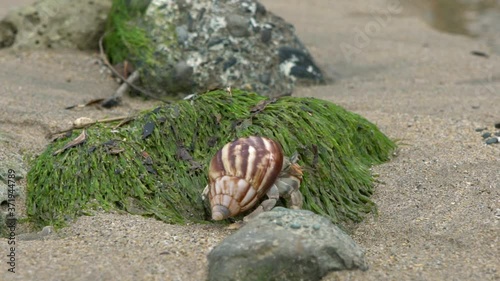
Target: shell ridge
241	173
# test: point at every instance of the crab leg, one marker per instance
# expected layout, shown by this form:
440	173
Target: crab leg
273	196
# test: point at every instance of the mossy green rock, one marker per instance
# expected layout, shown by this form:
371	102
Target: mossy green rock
157	164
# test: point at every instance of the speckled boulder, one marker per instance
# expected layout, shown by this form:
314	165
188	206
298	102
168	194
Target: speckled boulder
55	24
284	244
206	44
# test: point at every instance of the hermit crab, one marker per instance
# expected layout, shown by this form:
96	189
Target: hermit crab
245	170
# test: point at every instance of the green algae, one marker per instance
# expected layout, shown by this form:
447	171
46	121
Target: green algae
125	39
129	37
163	174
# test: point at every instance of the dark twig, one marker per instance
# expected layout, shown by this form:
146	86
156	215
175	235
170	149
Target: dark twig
120	91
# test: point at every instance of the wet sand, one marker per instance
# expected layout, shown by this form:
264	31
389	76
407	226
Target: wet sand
438	199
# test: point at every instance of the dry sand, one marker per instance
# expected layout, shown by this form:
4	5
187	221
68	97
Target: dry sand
439	198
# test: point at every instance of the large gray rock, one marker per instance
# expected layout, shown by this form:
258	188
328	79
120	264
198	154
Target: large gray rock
284	244
55	24
207	44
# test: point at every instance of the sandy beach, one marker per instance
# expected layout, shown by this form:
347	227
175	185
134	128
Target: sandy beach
438	198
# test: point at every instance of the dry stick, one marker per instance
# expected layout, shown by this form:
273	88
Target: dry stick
107	120
121	91
125	86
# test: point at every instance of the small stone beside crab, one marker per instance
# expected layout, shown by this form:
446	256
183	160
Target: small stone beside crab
246	170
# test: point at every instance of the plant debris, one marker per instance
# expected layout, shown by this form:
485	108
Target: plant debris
78	140
148	129
89	103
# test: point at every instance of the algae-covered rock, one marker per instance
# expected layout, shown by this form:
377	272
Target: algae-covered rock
184	47
157	164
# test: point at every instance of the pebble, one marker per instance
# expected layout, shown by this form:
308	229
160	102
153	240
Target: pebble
486	135
492	140
284	253
46	231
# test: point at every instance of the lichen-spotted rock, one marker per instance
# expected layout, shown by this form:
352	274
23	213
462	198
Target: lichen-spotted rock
207	44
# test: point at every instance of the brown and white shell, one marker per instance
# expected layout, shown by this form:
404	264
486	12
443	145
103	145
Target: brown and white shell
241	173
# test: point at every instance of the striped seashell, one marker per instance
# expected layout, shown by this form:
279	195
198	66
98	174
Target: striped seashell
241	173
